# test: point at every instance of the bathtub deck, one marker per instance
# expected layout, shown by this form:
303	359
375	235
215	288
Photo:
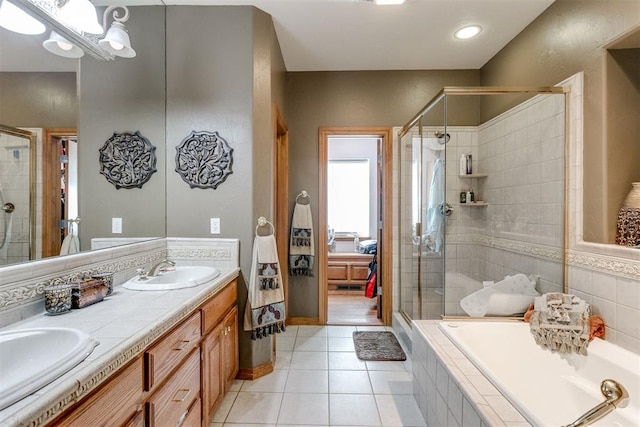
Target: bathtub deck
450	390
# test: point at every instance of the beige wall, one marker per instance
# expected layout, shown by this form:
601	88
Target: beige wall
372	98
124	95
38	99
567	38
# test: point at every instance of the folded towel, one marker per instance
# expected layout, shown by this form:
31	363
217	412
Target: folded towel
560	322
264	313
301	252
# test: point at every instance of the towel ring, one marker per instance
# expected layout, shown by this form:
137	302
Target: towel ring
304	195
262	221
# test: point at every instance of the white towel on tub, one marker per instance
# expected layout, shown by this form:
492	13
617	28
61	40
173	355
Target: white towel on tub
505	298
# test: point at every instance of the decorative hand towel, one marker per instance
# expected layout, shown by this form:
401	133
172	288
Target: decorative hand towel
560	322
301	252
264	313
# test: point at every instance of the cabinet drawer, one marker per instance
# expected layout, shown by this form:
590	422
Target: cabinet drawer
171	402
193	417
337	272
213	310
112	404
359	272
164	356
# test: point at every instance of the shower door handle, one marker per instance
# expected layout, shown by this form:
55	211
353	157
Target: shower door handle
446	209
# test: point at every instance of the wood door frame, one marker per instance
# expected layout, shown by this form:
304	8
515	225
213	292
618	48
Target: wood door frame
51	176
281	195
386	134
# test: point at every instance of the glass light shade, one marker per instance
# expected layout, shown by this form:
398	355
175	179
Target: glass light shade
467	32
117	41
62	47
388	2
81	15
15	19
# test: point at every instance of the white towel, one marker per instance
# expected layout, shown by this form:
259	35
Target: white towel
264	313
301	244
70	245
508	297
435	216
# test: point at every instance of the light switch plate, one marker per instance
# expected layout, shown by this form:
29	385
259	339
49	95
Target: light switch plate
215	225
116	225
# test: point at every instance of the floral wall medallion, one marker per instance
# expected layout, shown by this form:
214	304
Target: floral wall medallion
204	160
127	160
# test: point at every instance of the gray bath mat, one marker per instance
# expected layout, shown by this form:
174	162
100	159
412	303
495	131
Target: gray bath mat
379	346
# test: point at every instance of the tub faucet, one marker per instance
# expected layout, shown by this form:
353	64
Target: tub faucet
157	268
616	396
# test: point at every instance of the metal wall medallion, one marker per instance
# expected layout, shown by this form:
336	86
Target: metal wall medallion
204	160
127	160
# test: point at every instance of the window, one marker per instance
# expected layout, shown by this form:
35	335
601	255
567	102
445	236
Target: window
348	196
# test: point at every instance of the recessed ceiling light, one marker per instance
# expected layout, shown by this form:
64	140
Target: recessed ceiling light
467	32
388	2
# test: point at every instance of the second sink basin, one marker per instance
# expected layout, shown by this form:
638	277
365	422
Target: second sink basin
32	358
178	278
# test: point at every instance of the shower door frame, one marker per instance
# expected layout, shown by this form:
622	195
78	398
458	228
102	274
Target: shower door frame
500	90
33	158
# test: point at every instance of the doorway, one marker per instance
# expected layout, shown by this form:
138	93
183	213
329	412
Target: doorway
355	221
59	188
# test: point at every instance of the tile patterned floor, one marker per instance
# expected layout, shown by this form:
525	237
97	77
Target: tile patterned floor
319	381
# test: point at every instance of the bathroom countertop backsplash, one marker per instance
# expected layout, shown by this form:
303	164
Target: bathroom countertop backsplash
125	321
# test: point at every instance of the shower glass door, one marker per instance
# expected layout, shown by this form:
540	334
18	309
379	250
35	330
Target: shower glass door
423	218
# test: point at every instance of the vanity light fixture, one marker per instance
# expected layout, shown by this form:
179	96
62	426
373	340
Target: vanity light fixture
61	46
467	32
117	41
15	19
81	15
388	2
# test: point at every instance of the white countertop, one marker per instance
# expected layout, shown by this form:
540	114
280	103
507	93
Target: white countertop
124	323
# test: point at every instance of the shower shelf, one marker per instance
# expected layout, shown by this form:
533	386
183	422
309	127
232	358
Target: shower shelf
473	175
474	204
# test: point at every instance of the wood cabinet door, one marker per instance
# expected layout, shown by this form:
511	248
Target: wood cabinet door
230	347
113	403
212	385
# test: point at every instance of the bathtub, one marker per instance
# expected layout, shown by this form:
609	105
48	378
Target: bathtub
547	388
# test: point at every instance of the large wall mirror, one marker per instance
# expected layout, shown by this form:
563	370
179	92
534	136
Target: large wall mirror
71	108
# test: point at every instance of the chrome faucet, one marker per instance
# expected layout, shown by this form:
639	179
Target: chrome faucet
616	396
157	268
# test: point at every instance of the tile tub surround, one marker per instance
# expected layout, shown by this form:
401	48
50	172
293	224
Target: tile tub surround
449	389
123	329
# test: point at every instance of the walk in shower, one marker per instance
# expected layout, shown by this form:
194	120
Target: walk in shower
458	250
17	194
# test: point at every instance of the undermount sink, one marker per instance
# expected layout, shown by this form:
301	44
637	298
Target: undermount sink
32	358
177	278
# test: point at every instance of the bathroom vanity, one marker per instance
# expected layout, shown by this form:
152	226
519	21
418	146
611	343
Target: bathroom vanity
164	358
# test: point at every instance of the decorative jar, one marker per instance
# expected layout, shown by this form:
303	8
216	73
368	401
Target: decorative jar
57	298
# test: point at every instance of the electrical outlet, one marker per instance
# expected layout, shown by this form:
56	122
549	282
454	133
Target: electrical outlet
215	225
116	225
